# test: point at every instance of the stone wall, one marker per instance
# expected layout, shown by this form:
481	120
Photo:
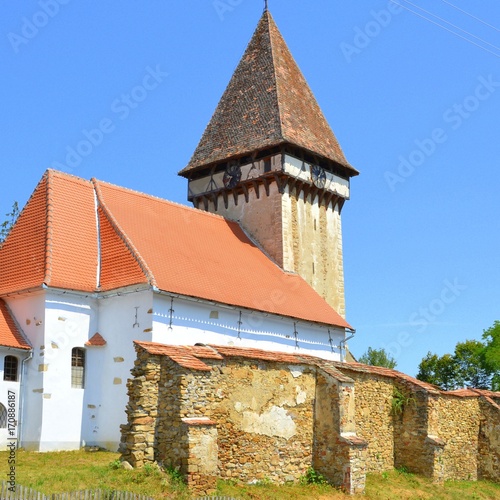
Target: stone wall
374	421
457	423
489	439
247	415
260	414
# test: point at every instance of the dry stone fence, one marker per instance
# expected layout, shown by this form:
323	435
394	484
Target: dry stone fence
247	414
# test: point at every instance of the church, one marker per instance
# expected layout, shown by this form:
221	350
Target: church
91	267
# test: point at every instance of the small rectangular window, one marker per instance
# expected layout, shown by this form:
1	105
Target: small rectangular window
78	368
10	368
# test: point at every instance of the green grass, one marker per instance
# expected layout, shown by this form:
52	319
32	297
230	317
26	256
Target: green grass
80	470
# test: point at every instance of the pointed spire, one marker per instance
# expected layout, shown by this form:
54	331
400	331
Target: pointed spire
266	104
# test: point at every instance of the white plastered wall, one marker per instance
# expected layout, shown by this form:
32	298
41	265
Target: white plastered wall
194	322
104	405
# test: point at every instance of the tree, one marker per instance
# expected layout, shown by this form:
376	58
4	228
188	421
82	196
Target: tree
466	367
441	371
473	370
378	357
6	226
491	353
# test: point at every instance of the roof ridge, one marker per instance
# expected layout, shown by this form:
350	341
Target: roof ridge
60	173
47	275
121	233
270	19
168	202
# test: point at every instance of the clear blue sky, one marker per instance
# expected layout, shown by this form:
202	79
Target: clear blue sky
415	106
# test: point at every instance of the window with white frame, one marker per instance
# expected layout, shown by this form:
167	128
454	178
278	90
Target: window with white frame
77	368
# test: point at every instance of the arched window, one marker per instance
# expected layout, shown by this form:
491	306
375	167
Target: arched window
77	368
3	416
10	368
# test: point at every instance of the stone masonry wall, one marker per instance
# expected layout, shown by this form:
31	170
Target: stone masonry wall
247	414
138	435
410	429
265	419
374	421
337	454
259	417
489	440
458	425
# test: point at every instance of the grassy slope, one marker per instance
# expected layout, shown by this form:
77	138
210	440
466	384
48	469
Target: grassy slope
72	471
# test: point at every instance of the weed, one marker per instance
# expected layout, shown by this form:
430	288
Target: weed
313	477
149	469
400	401
176	480
115	464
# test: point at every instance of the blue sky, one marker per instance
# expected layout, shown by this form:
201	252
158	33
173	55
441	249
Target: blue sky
412	93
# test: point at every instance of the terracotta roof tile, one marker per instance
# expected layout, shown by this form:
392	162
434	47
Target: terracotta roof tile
386	372
96	340
54	240
181	355
119	267
194	253
267	103
258	354
188	357
10	334
72	257
22	255
145	240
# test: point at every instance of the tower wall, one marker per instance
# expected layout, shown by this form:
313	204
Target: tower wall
312	244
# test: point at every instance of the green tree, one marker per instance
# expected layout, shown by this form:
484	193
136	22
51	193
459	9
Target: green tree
491	353
466	367
6	226
441	371
377	357
473	370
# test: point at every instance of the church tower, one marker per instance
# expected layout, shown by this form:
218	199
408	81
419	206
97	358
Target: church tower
269	160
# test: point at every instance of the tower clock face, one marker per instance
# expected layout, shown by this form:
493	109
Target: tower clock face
232	175
318	176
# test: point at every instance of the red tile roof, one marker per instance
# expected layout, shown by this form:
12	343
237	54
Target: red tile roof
191	357
194	253
96	340
10	334
93	236
267	103
54	240
185	356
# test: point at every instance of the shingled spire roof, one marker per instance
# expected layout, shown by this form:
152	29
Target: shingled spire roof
267	103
